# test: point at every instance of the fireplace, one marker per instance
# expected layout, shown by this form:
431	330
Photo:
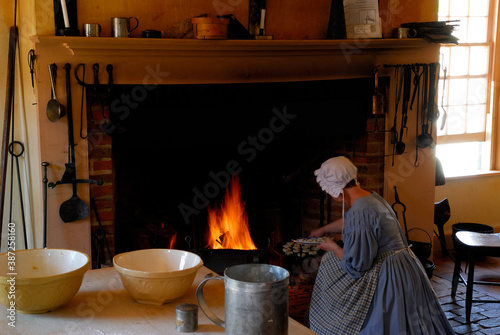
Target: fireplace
174	150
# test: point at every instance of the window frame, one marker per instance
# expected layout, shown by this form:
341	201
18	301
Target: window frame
495	87
492	91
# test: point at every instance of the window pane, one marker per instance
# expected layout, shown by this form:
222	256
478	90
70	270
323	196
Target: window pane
478	30
476	118
477	91
444	7
459	8
443	97
460	30
442	103
460	158
478	60
445	57
458	61
478	7
456	120
442	113
458	92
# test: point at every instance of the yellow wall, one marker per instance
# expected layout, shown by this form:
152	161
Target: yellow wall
473	199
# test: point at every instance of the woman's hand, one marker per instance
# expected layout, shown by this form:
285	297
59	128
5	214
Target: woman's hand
328	245
331	245
317	232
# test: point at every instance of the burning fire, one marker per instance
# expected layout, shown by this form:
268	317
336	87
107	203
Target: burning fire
228	226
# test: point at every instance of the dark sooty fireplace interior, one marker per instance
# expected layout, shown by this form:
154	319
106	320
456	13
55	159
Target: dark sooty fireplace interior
175	147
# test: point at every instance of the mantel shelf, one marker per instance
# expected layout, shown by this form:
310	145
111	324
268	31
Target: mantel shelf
192	61
109	46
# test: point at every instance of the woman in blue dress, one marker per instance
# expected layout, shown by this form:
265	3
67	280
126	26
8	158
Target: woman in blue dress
374	284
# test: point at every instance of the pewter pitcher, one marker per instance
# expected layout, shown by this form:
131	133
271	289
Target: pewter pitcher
120	26
255	300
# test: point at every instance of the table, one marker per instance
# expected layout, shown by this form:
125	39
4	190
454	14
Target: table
103	306
474	243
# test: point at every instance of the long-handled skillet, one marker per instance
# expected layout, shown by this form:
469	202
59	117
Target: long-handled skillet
75	208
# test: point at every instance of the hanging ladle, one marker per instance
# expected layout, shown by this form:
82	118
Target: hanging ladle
54	110
425	139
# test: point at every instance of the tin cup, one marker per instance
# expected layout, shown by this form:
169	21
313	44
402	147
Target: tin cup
91	29
255	300
120	26
186	318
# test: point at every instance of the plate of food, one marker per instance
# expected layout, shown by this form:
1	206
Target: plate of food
310	240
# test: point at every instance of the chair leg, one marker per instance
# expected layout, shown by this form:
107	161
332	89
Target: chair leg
456	274
470	285
442	240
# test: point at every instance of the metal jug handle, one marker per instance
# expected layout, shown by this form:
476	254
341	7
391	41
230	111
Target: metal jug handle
136	23
203	304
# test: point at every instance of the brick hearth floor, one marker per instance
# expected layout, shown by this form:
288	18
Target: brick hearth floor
485	317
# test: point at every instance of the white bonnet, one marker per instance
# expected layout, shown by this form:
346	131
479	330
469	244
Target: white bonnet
334	174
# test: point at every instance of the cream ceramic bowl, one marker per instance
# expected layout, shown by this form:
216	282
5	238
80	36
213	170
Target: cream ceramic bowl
45	279
157	276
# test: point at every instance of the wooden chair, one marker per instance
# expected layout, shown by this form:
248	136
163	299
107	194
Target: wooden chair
442	213
474	244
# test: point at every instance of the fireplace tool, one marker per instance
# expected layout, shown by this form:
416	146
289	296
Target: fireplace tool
398	202
421	249
73	209
45	180
9	105
16	154
100	236
55	110
400	145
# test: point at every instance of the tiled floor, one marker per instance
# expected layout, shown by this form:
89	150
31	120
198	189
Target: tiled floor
485	317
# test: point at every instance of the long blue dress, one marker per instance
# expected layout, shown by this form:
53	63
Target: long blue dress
379	286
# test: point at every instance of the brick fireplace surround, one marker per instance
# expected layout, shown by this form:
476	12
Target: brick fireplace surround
144	62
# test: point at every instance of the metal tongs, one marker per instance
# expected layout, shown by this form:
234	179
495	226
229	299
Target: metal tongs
397	202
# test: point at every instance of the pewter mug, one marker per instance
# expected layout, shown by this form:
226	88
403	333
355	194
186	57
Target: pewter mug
120	26
91	29
255	300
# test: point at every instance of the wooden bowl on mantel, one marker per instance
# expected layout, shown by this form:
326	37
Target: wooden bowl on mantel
210	28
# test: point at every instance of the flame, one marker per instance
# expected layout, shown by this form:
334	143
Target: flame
228	226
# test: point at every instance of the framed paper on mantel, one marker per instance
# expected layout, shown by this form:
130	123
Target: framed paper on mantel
362	19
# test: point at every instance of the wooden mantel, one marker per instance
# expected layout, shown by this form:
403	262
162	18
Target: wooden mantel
151	46
230	61
149	62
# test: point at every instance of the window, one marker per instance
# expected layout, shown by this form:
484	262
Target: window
464	125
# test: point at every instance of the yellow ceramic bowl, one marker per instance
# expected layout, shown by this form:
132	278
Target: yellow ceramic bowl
45	279
157	276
